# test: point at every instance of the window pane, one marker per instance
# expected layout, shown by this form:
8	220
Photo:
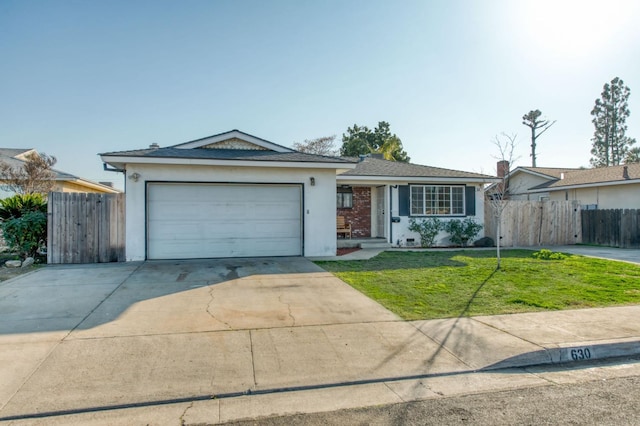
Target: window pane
347	200
457	201
417	200
430	200
344	200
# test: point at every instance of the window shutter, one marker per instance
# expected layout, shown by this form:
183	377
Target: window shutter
403	200
470	200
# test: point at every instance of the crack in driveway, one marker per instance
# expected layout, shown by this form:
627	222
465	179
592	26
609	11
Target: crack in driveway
211	314
288	309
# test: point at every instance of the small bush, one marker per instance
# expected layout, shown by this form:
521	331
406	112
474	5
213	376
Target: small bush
461	231
428	229
19	204
26	234
545	254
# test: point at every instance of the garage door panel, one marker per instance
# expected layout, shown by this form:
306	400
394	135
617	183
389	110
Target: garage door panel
211	220
175	231
234	247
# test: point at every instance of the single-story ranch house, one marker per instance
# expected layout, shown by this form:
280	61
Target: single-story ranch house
237	195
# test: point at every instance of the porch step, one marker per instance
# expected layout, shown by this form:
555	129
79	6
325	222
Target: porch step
363	243
347	243
375	245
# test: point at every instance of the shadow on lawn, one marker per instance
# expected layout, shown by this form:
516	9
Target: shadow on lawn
462	314
430	361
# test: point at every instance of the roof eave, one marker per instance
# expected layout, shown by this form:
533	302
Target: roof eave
121	162
585	185
93	185
415	179
534	173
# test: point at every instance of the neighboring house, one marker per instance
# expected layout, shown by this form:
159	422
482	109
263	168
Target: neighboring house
379	197
237	195
614	187
64	182
522	179
228	195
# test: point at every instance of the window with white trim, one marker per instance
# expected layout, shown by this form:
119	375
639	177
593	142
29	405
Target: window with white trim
437	200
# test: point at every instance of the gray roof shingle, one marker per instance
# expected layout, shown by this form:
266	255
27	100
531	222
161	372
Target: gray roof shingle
602	175
13	152
385	168
228	154
7	156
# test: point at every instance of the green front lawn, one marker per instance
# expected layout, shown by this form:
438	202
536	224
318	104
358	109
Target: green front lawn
444	284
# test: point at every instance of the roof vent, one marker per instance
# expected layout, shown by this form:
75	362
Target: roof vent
154	146
562	176
362	157
625	172
109	184
377	156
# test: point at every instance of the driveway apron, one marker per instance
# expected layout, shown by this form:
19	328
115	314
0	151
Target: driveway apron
78	338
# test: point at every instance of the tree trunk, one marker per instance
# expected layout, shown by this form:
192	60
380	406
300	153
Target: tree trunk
498	241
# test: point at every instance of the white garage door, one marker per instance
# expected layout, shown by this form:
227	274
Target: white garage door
223	220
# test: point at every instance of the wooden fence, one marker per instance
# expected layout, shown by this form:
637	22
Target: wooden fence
85	228
615	228
535	223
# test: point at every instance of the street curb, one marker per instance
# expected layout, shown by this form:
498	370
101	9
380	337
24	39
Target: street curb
570	354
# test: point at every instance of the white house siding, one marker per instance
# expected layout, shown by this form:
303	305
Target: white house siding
400	231
318	200
521	182
605	197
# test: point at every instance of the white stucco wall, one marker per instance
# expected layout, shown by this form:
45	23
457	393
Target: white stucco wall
606	197
400	231
319	200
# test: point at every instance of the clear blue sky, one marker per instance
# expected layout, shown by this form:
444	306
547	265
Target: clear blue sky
82	77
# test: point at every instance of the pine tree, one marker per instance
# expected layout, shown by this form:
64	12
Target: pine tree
611	146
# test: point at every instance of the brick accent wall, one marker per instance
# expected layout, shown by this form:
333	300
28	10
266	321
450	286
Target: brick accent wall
360	215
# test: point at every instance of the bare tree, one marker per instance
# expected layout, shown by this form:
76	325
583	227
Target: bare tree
532	120
497	198
31	177
320	146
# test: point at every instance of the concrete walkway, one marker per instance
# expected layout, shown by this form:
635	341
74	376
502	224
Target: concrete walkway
611	253
214	341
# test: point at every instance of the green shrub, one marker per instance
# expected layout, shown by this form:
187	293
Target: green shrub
26	234
461	231
19	204
428	229
545	254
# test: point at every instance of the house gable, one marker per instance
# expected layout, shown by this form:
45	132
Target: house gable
233	139
234	143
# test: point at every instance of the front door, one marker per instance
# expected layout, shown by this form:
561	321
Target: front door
380	212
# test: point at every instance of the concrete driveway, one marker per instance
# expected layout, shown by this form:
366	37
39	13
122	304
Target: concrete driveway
81	337
611	253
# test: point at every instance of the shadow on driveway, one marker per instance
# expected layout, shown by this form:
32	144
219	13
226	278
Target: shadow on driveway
159	297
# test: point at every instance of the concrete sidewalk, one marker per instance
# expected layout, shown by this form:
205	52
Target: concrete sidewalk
204	362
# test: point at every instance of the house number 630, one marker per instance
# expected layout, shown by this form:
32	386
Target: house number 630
580	354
